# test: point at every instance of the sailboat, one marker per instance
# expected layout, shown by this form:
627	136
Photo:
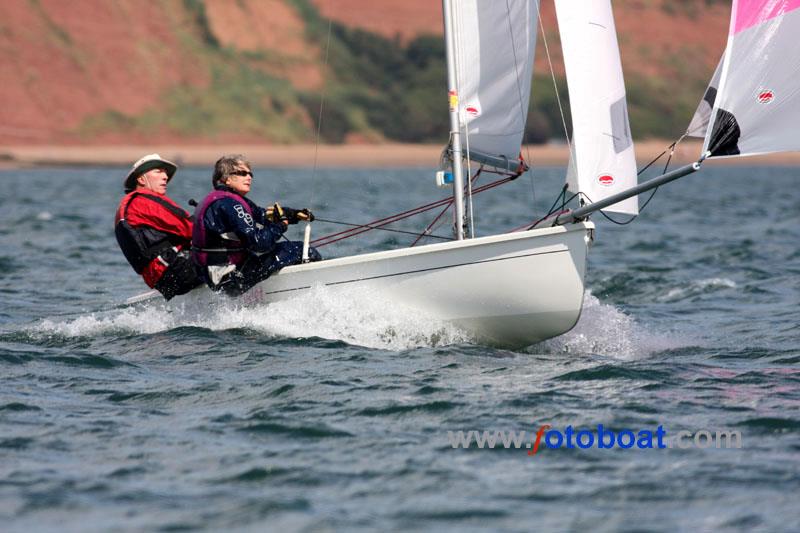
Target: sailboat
519	288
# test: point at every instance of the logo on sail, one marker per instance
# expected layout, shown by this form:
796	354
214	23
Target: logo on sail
473	110
606	180
765	96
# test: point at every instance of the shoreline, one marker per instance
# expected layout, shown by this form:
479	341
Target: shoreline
337	156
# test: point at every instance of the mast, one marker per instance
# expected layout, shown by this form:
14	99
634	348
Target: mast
455	122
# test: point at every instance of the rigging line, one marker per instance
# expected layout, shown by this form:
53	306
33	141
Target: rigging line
648	165
519	87
561	196
396	217
516	61
433	236
652	194
379	223
405	214
633	217
516	65
671	150
555	88
364	228
319	118
553	210
429	228
533	184
469	184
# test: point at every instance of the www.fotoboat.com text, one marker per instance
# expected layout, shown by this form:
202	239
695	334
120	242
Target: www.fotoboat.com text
600	438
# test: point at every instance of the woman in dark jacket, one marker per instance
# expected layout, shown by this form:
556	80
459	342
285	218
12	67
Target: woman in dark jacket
235	243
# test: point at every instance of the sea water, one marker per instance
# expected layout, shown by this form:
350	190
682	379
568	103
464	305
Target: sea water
326	412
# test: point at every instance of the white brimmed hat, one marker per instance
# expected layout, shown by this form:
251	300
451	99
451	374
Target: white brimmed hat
146	163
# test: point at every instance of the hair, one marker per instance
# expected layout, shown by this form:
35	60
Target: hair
225	165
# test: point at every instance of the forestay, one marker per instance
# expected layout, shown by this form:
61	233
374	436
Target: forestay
757	108
604	162
495	44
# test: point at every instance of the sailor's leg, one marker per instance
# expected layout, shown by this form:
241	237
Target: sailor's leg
179	278
253	270
257	269
314	255
291	253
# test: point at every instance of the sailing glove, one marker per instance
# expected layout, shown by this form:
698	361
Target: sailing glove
277	214
304	214
289	215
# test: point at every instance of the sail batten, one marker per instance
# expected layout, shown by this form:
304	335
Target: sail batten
603	160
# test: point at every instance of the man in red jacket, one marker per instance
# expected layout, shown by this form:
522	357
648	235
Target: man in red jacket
153	232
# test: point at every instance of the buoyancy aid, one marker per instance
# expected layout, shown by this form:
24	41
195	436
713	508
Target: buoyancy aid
151	230
210	248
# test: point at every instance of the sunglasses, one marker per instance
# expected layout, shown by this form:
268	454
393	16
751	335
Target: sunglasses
241	173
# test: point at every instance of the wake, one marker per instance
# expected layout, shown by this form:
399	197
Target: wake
360	319
605	330
357	318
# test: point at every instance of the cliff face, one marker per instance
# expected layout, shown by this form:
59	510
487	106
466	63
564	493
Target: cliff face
63	61
273	26
654	35
135	70
406	18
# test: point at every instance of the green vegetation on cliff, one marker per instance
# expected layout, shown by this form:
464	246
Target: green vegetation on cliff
375	88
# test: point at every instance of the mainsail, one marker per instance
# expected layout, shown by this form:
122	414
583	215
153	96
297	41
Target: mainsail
604	162
495	44
757	108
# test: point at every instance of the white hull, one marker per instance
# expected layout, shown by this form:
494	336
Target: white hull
513	289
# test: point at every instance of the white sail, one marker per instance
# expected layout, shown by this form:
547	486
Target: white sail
495	44
702	116
757	109
605	162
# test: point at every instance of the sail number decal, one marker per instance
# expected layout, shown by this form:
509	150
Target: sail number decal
606	180
765	96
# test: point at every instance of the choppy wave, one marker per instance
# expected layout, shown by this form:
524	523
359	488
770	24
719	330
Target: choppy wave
696	288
